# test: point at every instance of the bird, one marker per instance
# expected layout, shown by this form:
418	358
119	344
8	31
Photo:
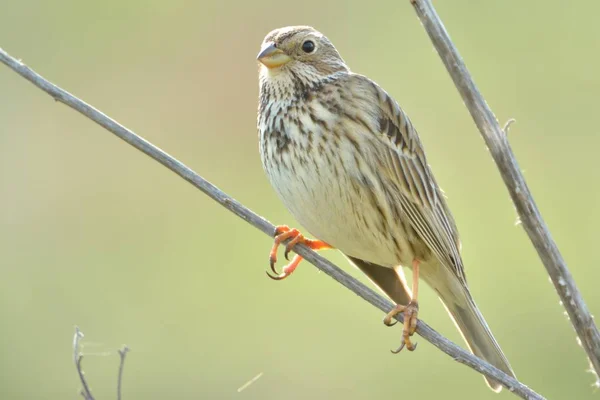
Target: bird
348	164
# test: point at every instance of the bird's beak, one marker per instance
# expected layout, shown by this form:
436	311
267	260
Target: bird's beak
272	57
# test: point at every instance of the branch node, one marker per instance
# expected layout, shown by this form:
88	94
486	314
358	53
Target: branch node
507	125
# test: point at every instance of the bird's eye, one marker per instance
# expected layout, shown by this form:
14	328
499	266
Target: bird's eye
308	46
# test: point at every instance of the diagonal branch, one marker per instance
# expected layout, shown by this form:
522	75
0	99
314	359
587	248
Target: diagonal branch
530	217
448	347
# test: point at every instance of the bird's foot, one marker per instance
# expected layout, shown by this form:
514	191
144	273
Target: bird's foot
282	233
411	312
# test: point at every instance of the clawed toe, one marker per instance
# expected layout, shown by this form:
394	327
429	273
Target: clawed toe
283	233
406	343
411	312
285	271
390	318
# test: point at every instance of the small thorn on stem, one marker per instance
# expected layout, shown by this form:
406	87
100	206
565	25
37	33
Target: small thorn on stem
507	125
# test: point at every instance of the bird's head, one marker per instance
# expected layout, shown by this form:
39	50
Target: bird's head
300	51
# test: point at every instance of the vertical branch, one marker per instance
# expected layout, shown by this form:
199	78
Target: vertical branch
78	358
122	354
497	142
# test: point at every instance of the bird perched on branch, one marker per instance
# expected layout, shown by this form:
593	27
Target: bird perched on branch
348	164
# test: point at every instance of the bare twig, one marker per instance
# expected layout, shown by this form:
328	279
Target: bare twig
76	339
122	354
250	382
78	358
453	350
501	151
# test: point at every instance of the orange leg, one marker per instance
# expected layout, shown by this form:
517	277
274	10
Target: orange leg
283	233
411	311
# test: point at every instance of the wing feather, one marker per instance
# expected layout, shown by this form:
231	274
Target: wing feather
421	199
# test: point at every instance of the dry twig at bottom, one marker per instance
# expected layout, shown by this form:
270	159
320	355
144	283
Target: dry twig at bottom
86	392
78	359
456	352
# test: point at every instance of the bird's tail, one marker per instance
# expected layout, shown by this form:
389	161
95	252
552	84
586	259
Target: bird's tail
476	332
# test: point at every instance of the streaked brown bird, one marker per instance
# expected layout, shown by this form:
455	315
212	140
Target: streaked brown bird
349	165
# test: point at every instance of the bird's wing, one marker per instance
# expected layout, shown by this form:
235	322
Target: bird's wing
403	162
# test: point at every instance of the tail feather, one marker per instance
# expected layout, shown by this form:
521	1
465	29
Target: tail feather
459	304
477	334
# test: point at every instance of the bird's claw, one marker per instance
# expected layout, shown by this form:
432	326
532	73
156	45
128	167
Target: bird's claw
272	261
411	346
283	233
286	253
286	270
411	312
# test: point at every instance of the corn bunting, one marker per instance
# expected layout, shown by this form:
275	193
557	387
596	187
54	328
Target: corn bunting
349	165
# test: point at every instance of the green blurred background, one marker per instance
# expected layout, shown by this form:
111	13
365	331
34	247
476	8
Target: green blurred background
95	234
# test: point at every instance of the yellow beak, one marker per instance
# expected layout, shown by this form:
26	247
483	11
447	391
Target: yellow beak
272	57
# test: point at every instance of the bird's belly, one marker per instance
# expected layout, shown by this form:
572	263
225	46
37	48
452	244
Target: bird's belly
324	199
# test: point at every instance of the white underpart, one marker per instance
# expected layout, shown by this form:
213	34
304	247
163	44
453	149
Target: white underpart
324	203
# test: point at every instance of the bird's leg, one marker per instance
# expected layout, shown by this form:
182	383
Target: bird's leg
410	311
283	233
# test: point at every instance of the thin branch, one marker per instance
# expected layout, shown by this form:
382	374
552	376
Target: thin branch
85	391
78	358
453	350
122	354
497	142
